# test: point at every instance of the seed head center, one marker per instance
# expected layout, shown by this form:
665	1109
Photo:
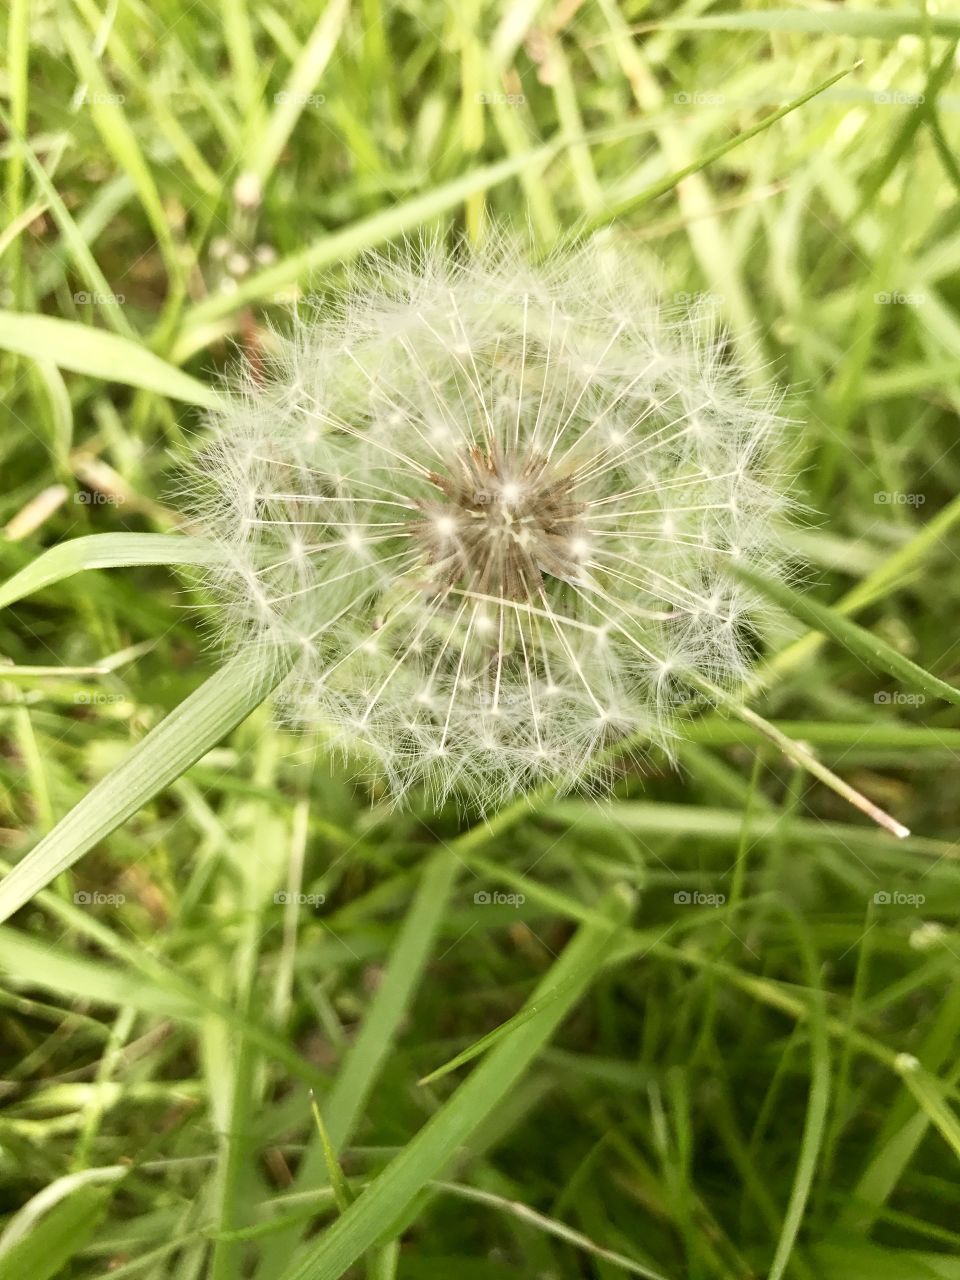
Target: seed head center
506	519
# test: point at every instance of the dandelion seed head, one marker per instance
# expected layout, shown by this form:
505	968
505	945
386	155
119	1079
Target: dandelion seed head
493	504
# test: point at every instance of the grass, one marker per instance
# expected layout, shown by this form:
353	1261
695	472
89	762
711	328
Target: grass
707	1029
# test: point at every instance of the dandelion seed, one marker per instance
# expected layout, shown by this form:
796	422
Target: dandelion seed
491	503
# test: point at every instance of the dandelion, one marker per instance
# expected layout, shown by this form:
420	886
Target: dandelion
493	505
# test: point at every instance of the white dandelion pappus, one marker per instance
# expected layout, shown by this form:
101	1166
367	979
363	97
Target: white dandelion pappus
490	503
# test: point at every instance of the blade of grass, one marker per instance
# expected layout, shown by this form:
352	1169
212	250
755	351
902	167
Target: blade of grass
339	246
864	24
99	354
369	1053
188	732
927	1092
892	573
540	1222
106	108
485	1043
814	1126
71	235
342	1195
390	1195
613	212
876	653
57	1235
103	551
799	753
299	85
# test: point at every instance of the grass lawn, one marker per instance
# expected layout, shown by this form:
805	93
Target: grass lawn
257	1023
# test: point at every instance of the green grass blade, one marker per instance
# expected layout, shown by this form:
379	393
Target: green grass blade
366	233
103	551
57	1235
392	1193
187	733
141	982
99	354
291	100
485	1043
894	571
814	1128
355	1079
72	237
876	653
370	1052
342	1194
929	1095
612	212
106	108
863	24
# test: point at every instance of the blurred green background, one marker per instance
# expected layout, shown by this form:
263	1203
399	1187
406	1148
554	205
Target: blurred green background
754	1071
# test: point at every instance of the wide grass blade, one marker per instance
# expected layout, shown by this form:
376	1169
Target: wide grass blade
99	354
103	551
165	753
876	653
392	1192
48	1232
864	24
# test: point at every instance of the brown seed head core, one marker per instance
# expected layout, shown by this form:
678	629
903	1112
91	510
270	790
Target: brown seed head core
509	518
